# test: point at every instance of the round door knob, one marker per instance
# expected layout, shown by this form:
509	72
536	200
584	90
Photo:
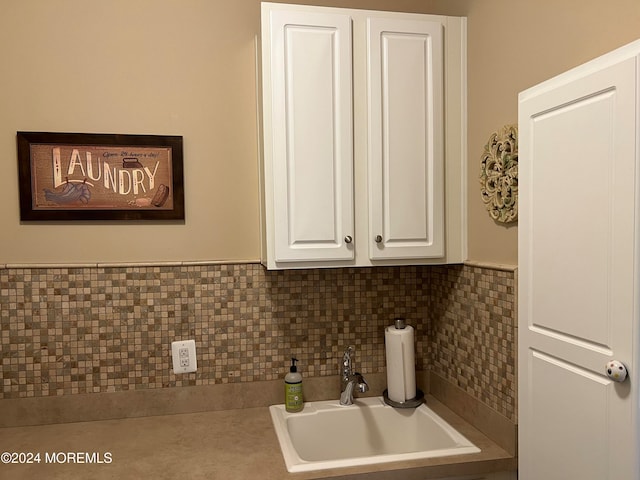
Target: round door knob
348	239
378	238
616	371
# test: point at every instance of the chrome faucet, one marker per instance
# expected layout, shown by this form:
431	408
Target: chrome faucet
350	379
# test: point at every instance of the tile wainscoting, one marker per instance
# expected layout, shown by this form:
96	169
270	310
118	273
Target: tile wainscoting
473	332
93	329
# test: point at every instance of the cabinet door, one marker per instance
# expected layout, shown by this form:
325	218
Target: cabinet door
405	117
312	130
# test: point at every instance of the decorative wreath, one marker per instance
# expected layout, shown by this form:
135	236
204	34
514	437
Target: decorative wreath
499	175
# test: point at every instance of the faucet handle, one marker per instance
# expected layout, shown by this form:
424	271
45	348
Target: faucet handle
346	357
346	363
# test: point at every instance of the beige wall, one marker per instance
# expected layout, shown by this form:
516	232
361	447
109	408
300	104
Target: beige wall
514	45
142	67
188	68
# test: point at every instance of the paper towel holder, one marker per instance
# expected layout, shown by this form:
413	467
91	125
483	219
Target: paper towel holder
400	324
411	403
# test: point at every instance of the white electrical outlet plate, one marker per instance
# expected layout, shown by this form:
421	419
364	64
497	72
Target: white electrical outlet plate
184	356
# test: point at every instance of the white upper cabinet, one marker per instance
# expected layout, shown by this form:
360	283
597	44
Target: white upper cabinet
354	140
406	159
311	135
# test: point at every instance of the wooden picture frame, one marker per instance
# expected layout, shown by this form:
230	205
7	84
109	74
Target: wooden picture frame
96	176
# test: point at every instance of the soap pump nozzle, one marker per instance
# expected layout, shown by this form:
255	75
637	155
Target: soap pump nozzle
293	368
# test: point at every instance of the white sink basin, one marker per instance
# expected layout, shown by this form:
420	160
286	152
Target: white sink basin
328	435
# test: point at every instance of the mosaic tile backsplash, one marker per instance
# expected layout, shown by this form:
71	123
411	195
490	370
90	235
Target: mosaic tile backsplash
100	329
472	333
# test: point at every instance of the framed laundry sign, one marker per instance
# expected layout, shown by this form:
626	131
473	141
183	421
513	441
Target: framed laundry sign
89	176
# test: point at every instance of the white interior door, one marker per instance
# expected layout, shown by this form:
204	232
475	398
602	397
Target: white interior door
577	274
311	124
406	154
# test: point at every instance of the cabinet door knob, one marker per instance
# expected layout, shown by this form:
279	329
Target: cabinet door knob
378	238
348	239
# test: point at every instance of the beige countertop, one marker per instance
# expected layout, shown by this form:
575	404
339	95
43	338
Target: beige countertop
226	444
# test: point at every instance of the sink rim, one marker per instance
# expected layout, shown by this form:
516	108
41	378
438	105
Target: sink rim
294	463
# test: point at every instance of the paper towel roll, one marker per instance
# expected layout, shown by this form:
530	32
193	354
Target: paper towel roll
401	363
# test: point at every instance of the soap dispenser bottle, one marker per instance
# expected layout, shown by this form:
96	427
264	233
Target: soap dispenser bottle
293	389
